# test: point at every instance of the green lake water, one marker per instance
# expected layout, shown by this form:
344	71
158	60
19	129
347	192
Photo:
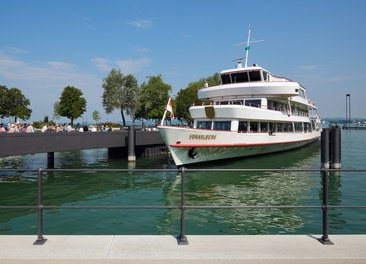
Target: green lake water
202	188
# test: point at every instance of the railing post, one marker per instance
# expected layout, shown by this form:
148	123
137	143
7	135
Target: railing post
40	239
182	239
325	180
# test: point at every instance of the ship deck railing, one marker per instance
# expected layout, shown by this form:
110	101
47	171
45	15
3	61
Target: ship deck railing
283	109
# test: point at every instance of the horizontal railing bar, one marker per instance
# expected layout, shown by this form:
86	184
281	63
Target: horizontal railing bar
251	207
18	206
179	207
186	169
111	207
346	206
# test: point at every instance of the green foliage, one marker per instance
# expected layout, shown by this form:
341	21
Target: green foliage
3	106
153	97
188	96
96	116
71	105
40	124
14	103
45	119
120	92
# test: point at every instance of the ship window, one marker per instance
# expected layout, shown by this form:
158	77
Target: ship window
237	102
204	124
253	126
240	77
225	79
298	127
243	126
307	127
253	103
222	125
255	76
302	93
264	126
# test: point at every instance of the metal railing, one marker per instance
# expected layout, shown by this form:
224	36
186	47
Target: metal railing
181	238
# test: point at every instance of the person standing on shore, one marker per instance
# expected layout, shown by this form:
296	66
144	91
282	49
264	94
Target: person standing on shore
30	128
69	128
2	128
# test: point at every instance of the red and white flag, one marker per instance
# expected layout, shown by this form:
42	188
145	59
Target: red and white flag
169	107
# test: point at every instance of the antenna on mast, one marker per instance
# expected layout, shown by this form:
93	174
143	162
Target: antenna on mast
247	46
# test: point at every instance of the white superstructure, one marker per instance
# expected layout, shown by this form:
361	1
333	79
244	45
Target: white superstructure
251	112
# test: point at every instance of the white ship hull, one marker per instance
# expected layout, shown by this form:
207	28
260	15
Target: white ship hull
188	145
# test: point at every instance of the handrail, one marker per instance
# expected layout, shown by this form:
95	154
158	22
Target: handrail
182	239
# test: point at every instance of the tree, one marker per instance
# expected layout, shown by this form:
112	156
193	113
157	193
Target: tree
71	105
120	92
188	96
14	103
184	99
56	114
3	106
154	95
96	116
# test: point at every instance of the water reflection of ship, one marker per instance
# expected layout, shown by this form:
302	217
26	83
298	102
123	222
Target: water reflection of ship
248	188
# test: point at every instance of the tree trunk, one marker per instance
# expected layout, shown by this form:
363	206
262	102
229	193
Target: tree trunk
123	118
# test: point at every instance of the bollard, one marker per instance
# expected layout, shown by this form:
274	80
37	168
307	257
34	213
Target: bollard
131	144
50	160
335	136
324	155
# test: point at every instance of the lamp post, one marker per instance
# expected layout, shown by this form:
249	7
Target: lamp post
348	108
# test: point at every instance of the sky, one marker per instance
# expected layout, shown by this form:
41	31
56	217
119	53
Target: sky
48	45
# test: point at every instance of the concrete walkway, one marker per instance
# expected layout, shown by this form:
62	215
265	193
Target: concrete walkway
164	249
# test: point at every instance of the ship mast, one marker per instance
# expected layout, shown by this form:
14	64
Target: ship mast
247	46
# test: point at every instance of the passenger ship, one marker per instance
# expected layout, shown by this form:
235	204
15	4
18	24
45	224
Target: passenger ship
251	112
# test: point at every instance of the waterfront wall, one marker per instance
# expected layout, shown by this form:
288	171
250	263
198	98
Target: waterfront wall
30	143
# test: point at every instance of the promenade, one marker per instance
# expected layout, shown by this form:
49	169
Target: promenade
130	249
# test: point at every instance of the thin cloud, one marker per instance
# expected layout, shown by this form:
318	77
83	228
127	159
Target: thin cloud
141	23
42	82
14	50
132	66
126	66
60	65
101	64
184	35
87	22
142	50
307	67
13	69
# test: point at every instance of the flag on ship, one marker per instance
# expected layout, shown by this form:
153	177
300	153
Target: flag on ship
169	107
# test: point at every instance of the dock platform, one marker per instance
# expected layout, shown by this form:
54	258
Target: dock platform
128	249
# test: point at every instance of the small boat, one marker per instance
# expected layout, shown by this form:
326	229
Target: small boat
251	112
